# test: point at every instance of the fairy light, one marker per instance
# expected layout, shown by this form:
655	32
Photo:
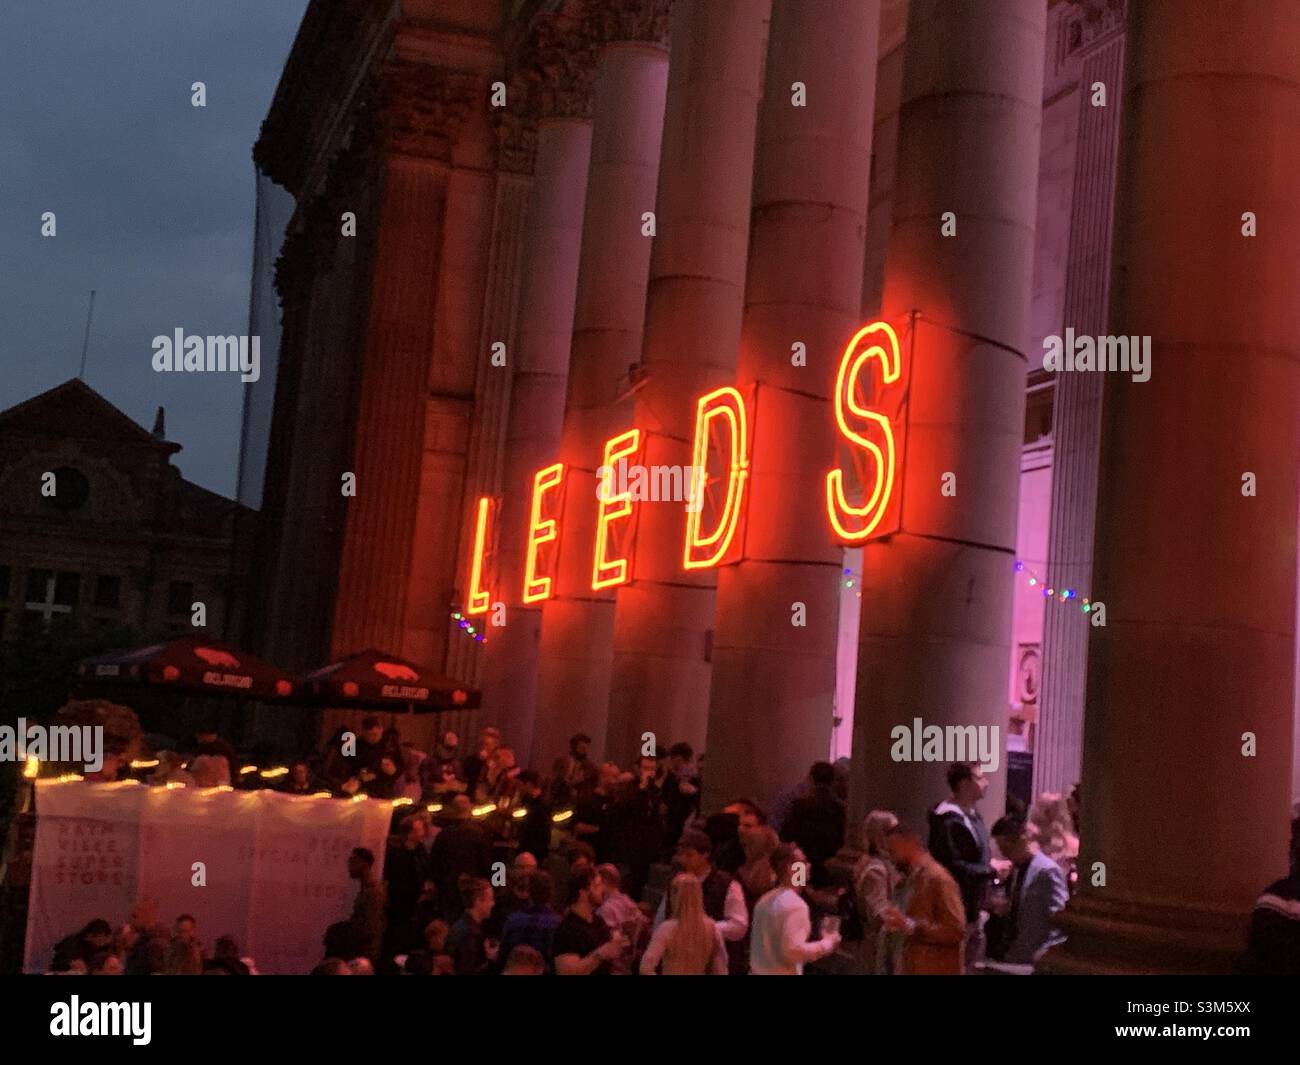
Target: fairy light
466	627
1059	595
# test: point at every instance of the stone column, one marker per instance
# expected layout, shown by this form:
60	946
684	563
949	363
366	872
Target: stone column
664	617
1198	577
627	125
936	596
420	109
804	285
553	242
1076	418
492	387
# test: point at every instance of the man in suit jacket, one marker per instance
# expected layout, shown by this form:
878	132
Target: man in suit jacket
1036	892
926	927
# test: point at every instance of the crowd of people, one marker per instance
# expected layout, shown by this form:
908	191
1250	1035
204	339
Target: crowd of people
596	869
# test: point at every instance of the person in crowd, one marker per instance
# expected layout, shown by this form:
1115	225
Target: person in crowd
498	781
209	771
755	875
361	967
925	925
407	866
1052	828
591	811
637	826
418	963
535	925
681	788
171	770
185	928
1036	892
523	960
108	965
516	896
875	880
1273	941
363	932
299	780
959	841
724	898
92	944
584	945
184	958
689	943
207	741
148	953
533	830
572	773
440	773
225	954
471	948
475	765
816	822
332	967
724	829
619	911
781	924
409	785
461	849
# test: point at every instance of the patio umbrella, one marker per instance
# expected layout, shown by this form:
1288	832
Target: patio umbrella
372	679
193	665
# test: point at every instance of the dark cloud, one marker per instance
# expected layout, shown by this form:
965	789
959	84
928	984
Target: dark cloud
154	198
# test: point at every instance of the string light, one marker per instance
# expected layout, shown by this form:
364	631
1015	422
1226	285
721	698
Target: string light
1061	595
466	626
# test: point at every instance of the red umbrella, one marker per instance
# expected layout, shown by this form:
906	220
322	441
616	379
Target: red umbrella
375	680
192	664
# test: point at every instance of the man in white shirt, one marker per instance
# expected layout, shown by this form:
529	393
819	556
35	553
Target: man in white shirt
778	943
724	898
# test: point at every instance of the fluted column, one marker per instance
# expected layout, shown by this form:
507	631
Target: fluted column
627	125
1076	419
664	617
810	204
936	596
553	243
420	109
1196	661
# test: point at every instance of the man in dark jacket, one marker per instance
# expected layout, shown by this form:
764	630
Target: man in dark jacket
816	822
461	849
959	841
534	828
1274	945
637	826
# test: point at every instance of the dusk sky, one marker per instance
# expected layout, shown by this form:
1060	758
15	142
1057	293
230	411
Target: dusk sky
154	199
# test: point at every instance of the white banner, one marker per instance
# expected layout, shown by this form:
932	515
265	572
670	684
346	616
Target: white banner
275	865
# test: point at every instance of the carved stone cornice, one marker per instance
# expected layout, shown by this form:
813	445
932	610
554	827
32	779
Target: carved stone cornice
608	21
516	132
419	107
1095	20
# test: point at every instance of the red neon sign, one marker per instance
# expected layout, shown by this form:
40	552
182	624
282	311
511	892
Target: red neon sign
540	532
706	550
872	343
479	599
607	572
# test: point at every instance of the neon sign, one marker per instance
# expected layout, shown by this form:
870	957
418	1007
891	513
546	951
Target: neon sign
479	599
607	572
874	343
540	532
722	425
706	550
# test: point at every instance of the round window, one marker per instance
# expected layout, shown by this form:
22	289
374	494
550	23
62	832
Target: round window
71	489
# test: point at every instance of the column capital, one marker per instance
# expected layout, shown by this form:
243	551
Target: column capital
1094	20
419	107
612	21
560	62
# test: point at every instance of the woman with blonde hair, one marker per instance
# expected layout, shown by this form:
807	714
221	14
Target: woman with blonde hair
688	943
874	882
756	875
